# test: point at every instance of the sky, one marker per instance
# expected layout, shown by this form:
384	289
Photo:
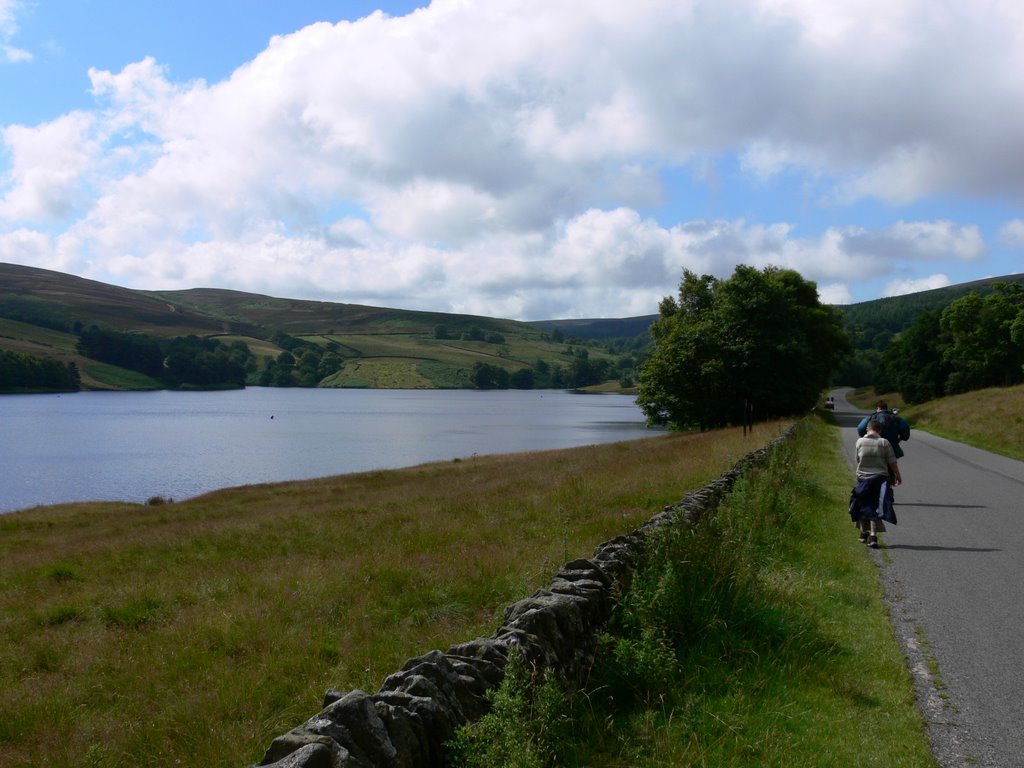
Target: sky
524	159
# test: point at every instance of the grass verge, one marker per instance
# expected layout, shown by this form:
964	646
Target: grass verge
757	637
193	633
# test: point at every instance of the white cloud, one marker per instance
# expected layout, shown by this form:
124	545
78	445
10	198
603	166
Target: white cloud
902	287
919	240
495	157
1012	233
764	159
26	246
835	294
49	171
8	29
7	24
15	55
434	211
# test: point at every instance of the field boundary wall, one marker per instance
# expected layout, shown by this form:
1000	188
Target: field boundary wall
416	711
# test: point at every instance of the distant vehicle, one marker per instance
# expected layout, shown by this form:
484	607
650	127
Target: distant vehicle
830	404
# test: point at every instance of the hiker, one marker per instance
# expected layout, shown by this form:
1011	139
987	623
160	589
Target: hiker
893	427
871	500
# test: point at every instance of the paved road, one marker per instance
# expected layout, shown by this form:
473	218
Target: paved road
954	575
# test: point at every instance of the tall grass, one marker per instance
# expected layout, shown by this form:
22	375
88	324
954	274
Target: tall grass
757	637
992	419
194	633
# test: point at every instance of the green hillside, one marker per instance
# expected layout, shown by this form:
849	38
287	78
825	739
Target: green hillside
42	312
873	323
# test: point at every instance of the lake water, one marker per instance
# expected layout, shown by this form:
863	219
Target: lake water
131	446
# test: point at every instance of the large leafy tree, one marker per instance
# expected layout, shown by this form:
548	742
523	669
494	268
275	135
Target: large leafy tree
983	351
759	343
914	363
976	341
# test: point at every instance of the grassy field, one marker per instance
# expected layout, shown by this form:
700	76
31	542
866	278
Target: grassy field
32	337
193	633
418	360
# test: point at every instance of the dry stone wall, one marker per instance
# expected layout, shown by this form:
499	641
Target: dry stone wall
417	710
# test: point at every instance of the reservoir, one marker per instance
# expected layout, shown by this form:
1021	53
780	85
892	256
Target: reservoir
132	446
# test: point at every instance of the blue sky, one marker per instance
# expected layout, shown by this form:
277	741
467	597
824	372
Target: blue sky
513	158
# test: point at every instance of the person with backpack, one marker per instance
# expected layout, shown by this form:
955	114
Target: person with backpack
871	500
892	426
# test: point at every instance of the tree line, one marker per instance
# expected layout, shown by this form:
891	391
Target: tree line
875	325
300	364
181	362
974	342
582	371
23	371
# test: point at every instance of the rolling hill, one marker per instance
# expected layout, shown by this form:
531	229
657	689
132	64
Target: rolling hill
873	323
42	312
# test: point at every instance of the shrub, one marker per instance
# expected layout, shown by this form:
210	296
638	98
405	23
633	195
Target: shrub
524	727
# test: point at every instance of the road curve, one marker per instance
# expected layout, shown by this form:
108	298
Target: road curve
953	570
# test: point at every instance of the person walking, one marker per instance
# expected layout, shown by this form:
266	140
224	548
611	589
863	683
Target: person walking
871	500
892	426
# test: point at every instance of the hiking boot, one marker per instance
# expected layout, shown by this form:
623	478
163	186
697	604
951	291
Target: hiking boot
873	542
863	537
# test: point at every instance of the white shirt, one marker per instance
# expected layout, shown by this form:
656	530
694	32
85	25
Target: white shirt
874	455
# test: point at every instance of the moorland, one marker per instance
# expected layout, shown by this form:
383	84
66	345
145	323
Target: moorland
291	342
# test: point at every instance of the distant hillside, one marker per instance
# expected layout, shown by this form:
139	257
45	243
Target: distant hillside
867	319
873	323
298	317
42	312
57	300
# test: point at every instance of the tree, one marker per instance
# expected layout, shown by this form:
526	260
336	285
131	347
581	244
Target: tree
760	342
683	374
487	376
128	350
202	362
20	371
982	350
914	363
583	371
522	379
330	364
859	369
